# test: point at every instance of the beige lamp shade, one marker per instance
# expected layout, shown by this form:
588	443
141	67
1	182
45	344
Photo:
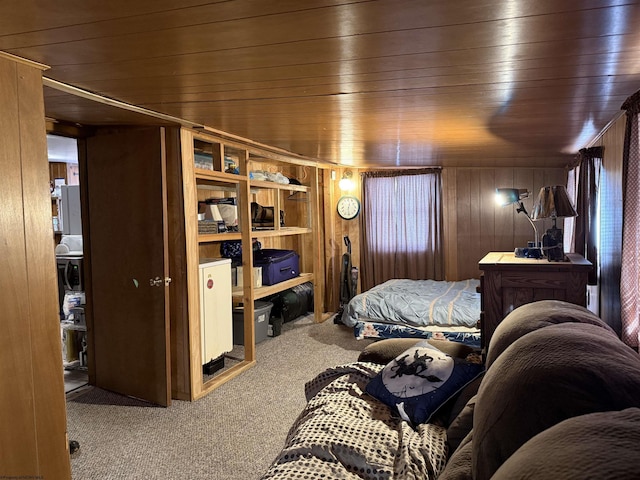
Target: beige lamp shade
553	202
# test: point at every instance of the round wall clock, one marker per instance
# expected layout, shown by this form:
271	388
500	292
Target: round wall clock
348	207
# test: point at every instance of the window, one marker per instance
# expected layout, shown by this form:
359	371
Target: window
402	230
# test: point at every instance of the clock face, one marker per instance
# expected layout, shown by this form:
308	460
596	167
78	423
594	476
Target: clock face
348	207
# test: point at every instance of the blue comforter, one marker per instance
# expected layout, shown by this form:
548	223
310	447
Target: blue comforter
418	303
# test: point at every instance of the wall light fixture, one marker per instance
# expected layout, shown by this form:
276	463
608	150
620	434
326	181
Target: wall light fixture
346	183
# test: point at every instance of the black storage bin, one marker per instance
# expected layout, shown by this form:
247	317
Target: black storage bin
275	326
213	366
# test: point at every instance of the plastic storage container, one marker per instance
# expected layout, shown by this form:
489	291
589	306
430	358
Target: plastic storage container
261	314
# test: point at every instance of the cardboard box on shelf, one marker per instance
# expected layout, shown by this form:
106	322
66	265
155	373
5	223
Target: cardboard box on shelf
257	277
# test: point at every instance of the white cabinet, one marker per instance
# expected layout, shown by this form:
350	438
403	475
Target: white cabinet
216	321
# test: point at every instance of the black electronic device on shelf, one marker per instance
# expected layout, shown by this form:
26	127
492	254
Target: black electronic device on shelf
530	251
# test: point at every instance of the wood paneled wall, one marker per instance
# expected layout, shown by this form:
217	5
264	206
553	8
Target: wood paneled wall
33	442
335	229
475	225
57	170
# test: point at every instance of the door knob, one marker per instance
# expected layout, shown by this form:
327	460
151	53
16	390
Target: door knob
157	282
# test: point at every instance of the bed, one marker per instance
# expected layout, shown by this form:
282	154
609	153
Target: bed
402	308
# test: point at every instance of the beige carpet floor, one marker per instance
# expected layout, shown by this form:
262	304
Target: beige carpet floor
234	433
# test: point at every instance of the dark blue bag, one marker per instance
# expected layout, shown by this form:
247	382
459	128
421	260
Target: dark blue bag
233	248
277	265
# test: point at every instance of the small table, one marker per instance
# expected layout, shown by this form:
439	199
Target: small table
508	282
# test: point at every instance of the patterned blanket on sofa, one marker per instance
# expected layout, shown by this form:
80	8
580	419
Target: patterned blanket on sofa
345	433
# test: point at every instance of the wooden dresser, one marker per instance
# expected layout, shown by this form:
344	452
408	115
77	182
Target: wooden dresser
508	282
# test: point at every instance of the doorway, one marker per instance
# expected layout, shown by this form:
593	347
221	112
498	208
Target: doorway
64	181
123	200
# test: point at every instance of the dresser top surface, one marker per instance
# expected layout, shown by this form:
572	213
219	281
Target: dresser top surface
502	259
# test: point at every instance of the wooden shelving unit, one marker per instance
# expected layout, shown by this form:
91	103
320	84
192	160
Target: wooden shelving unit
300	232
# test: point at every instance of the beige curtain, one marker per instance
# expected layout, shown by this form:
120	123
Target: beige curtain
401	226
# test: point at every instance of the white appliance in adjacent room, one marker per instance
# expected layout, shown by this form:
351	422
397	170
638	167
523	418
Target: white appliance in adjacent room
70	213
71	296
70	264
216	320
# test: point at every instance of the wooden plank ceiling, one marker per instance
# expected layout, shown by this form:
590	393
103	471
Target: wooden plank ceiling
356	82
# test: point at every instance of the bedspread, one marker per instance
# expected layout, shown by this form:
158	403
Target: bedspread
345	433
417	303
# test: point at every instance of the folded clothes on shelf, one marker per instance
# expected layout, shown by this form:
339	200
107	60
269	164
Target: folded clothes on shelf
269	177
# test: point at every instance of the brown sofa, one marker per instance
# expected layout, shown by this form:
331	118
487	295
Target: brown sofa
560	399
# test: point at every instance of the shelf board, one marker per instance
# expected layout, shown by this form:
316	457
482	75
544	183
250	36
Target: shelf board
224	377
278	186
204	174
284	231
280	232
218	237
262	292
218	186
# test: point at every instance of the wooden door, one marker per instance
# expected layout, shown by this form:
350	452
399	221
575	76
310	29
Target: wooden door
127	235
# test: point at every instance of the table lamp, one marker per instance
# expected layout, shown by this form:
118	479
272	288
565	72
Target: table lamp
508	196
553	202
